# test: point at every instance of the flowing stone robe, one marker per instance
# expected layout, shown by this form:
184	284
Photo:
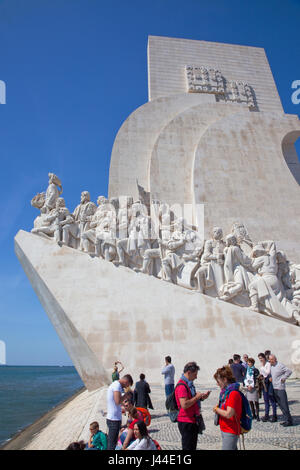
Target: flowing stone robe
267	286
52	194
237	275
214	272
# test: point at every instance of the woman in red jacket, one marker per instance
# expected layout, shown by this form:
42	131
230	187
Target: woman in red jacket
229	409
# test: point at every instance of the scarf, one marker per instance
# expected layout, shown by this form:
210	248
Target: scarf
250	371
191	386
226	391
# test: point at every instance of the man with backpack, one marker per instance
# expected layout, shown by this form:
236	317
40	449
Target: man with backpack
188	404
233	411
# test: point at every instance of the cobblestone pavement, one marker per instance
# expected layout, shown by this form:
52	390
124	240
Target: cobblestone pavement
263	436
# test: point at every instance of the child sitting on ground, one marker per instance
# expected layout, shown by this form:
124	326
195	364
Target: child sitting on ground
97	440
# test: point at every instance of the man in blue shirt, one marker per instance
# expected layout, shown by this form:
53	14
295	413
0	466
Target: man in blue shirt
168	372
238	369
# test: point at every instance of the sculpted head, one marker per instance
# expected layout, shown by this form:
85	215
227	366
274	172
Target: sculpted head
85	196
231	240
217	233
258	251
281	256
101	200
60	202
179	224
53	179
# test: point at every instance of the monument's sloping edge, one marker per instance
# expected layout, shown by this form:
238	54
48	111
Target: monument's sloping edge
87	365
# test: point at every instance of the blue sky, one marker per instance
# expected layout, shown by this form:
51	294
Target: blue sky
74	70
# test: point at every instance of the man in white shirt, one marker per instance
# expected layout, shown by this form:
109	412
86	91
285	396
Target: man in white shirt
114	411
169	373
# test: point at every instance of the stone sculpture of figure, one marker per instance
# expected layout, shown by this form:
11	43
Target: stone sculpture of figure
192	259
283	273
105	245
211	272
38	202
172	251
82	217
295	281
138	240
52	192
55	221
89	236
124	216
244	241
236	269
266	290
165	221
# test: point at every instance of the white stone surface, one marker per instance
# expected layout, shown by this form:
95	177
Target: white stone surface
188	149
103	313
167	58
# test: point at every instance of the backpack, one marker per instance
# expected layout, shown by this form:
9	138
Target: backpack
146	416
246	418
157	445
171	403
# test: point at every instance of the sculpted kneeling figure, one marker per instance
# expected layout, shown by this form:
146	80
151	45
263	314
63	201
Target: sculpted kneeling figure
55	221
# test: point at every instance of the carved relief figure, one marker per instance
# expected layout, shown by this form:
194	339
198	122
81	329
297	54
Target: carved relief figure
82	217
89	236
55	221
166	247
236	269
138	240
52	193
211	271
266	291
172	252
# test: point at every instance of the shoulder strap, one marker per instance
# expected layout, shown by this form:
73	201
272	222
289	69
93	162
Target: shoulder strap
186	386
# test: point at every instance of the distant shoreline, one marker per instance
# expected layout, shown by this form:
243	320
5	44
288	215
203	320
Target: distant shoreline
22	438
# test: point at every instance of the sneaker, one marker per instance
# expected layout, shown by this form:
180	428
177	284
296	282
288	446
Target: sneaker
257	419
288	423
265	418
273	419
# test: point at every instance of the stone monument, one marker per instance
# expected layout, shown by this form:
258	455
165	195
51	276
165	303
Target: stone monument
195	253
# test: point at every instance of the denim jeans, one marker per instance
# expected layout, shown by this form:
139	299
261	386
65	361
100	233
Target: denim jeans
113	433
169	389
269	399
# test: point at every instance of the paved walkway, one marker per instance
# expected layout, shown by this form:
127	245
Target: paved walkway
72	423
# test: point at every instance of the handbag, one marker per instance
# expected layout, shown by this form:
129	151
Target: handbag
200	423
217	419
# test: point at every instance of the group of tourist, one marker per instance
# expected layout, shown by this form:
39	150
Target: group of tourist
237	380
268	381
241	385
